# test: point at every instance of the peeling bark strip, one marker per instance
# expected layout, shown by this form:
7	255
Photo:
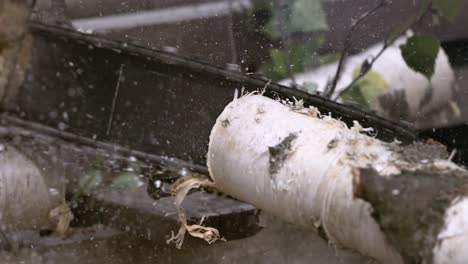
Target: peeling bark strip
280	152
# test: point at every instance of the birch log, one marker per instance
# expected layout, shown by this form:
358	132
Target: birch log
395	204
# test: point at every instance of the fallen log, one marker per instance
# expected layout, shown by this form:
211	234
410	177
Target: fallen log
395	204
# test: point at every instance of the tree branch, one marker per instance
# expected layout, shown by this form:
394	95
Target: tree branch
280	7
231	37
367	64
330	89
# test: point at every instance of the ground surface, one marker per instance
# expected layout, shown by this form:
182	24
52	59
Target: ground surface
277	243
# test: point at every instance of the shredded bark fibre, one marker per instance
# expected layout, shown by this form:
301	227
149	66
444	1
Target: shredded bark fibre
180	190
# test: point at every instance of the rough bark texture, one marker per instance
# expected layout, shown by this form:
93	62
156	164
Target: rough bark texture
410	207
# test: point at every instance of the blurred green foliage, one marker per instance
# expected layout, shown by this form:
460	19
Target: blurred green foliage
307	18
90	181
303	17
302	56
420	53
365	90
126	181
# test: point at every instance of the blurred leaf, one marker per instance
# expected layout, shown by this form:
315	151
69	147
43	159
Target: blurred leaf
303	16
275	68
354	96
449	9
89	182
366	90
126	181
308	16
420	53
302	56
278	57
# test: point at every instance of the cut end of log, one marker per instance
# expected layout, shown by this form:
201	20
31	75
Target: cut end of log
411	207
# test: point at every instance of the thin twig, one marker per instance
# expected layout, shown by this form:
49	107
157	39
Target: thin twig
116	93
231	37
347	45
387	42
364	70
282	9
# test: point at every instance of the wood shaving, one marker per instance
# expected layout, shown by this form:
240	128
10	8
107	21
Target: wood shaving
180	190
